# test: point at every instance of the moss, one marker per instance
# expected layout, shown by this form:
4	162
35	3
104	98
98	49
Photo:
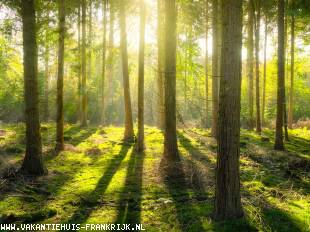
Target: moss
101	179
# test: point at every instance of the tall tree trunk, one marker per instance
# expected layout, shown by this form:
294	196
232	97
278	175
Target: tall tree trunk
257	71
110	58
140	142
83	87
206	65
227	195
104	48
79	116
265	72
286	74
129	134
60	76
170	135
279	145
291	96
160	64
215	68
33	162
250	61
89	45
46	73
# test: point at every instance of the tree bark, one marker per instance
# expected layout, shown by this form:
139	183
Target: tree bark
79	115
265	72
104	48
279	145
140	142
170	135
46	73
206	65
227	195
257	71
250	61
160	64
60	76
291	96
129	133
83	87
215	68
33	162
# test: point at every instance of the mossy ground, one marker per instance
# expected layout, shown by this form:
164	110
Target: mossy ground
100	179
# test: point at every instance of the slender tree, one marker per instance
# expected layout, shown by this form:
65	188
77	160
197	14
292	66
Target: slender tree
60	76
33	162
79	116
279	145
206	64
104	48
128	134
291	96
46	73
257	72
227	195
140	142
265	71
170	135
215	68
160	64
83	87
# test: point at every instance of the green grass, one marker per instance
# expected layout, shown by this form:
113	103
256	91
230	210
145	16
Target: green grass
100	179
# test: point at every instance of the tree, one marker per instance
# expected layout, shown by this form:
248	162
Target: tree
46	74
206	63
128	134
140	142
60	77
265	70
279	145
79	113
257	72
160	64
215	67
33	162
227	195
83	84
104	48
250	61
170	135
291	96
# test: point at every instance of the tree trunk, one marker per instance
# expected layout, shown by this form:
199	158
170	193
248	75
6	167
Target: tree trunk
291	97
170	135
160	64
140	142
46	73
129	134
206	65
215	68
83	87
60	76
104	48
89	45
257	72
79	116
279	145
227	195
286	74
32	163
110	59
265	72
250	61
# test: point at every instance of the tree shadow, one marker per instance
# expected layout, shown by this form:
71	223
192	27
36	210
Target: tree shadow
75	134
192	150
176	183
91	199
129	206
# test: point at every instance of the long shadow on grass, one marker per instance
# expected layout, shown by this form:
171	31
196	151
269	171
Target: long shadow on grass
129	206
91	199
176	183
75	134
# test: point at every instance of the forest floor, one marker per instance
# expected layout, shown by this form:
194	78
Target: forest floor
100	179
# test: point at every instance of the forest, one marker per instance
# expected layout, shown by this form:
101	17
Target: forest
159	115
